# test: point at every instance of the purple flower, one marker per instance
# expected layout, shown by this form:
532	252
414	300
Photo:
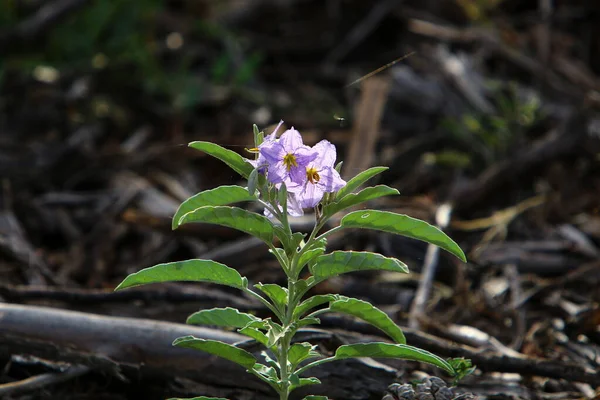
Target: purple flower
320	177
260	161
293	207
286	158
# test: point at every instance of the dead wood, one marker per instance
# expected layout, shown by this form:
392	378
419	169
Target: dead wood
131	349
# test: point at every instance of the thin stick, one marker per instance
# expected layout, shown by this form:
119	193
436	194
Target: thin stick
42	380
378	70
442	219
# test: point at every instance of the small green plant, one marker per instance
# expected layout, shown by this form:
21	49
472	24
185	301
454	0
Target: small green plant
491	137
286	177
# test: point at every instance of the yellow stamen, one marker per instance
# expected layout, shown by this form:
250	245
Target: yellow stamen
290	161
312	175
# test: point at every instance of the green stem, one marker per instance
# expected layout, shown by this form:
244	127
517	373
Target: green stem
265	302
329	232
314	364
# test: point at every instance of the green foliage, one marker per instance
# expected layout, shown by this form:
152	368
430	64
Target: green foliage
358	180
484	138
231	158
232	217
387	350
223	350
402	225
286	361
221	196
341	262
353	199
368	313
225	317
190	270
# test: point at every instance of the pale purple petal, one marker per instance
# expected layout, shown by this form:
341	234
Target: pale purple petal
330	180
305	155
326	154
296	176
290	140
272	151
273	134
310	196
293	205
277	172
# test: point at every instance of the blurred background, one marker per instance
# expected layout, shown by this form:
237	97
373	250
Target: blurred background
489	106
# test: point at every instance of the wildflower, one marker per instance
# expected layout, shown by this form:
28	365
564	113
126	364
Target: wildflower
320	177
260	160
293	207
286	158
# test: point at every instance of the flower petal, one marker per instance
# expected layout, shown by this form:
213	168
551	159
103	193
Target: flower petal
290	140
330	180
304	155
293	205
326	154
273	134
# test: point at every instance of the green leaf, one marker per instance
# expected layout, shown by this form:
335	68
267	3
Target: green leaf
253	182
299	382
316	398
313	302
402	225
254	334
299	352
341	262
189	271
359	180
353	199
223	350
274	333
233	217
282	196
231	158
308	321
368	313
227	317
220	196
256	132
276	293
268	372
387	350
309	256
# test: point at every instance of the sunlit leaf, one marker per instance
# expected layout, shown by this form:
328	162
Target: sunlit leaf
233	217
226	317
231	158
269	373
387	350
299	352
221	196
254	334
368	313
358	180
223	350
402	225
190	271
341	262
299	382
253	182
313	302
276	293
353	199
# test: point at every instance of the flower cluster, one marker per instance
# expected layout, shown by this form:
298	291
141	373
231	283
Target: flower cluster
307	172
